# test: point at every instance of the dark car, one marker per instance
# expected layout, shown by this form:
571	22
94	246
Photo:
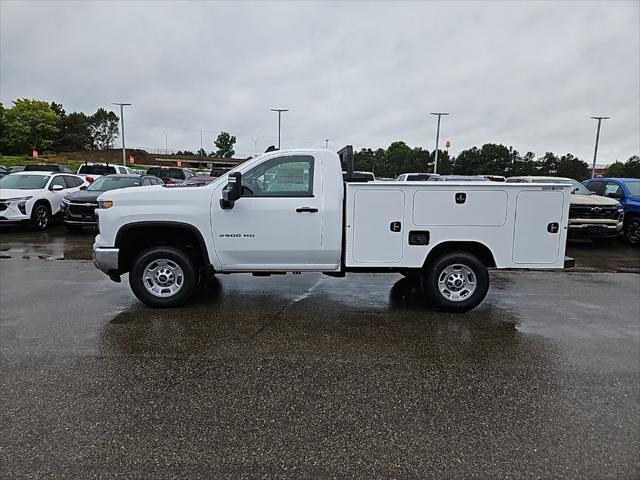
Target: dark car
46	167
170	175
79	208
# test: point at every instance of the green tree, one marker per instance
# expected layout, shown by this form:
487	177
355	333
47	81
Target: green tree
103	128
632	167
225	142
75	133
29	125
201	153
572	167
2	129
616	169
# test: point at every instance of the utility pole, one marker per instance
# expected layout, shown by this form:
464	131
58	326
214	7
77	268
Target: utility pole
166	149
124	150
326	144
435	163
201	143
595	152
279	110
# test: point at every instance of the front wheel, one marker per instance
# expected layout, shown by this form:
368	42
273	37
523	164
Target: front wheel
163	276
632	231
456	282
40	217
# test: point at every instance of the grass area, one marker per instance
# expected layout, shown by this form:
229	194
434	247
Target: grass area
9	161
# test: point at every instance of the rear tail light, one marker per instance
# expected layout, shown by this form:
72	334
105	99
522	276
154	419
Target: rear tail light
90	179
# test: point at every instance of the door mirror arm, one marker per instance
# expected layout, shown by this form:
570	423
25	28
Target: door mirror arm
232	191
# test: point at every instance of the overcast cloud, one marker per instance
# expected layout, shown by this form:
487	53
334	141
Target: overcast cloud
526	74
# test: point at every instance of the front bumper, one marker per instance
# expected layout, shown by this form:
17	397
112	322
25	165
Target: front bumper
106	260
588	229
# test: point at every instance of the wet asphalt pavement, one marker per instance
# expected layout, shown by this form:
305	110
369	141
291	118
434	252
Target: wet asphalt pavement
309	376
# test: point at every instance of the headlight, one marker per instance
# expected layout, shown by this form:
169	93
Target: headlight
17	199
105	204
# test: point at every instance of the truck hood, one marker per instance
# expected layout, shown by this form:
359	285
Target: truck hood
159	194
593	200
84	196
6	193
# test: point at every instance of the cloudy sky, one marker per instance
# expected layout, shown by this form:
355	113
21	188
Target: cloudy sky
526	74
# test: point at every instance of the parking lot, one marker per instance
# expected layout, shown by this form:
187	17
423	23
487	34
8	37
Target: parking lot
311	376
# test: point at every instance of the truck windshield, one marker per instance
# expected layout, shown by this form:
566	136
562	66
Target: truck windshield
112	183
24	182
633	187
96	170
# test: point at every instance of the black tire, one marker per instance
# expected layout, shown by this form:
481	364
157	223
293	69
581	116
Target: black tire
40	217
436	272
604	241
632	231
169	255
74	228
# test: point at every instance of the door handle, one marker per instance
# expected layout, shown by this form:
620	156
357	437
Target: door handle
306	210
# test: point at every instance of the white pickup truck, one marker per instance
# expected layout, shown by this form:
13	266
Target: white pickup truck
292	211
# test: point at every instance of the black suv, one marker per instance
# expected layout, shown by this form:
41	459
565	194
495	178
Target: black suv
79	208
46	167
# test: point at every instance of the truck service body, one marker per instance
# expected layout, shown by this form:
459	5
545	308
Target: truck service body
291	211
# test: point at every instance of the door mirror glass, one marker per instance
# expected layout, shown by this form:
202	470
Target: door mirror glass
231	191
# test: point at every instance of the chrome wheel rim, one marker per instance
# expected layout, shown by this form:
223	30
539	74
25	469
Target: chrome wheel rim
42	217
457	282
163	278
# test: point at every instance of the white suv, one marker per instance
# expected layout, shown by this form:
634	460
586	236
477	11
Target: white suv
35	197
92	171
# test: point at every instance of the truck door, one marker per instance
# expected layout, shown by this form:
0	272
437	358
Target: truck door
277	222
538	221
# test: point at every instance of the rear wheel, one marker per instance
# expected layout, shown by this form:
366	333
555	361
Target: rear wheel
456	282
632	231
163	276
40	217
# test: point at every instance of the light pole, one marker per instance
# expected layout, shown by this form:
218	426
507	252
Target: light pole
166	149
326	144
438	114
595	152
124	150
279	110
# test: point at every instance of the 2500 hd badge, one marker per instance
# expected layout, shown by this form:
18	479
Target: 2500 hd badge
237	235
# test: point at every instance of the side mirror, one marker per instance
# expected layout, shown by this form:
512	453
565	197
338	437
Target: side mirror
232	191
57	188
83	187
616	195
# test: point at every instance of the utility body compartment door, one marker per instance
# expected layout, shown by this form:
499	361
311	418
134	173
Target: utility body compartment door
539	226
376	226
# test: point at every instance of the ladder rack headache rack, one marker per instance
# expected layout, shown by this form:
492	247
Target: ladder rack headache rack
347	163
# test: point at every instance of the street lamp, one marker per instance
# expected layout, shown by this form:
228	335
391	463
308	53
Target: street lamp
124	151
435	163
595	152
279	110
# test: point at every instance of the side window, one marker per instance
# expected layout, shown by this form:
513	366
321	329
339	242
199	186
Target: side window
146	182
280	177
596	187
612	189
58	180
70	182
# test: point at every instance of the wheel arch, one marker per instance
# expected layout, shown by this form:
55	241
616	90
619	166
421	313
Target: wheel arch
135	237
480	250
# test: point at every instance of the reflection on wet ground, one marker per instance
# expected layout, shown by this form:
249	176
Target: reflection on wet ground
312	376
